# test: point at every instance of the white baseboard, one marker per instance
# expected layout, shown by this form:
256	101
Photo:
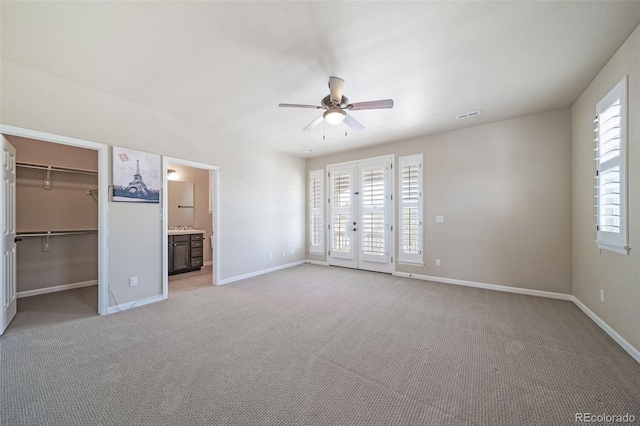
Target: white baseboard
57	288
316	262
134	304
631	350
256	273
529	292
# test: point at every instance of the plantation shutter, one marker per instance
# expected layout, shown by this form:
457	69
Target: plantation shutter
373	204
316	212
410	229
341	209
610	156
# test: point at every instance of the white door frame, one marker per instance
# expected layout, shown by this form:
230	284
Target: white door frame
103	199
214	193
391	207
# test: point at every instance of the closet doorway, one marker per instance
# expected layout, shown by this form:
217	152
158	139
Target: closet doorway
57	268
189	220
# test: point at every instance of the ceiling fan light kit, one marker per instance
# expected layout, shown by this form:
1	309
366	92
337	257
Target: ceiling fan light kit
334	115
336	106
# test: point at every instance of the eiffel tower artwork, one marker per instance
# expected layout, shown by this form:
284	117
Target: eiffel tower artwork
137	186
136	190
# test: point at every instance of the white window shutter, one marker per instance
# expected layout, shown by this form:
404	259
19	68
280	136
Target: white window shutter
316	212
611	179
410	207
341	211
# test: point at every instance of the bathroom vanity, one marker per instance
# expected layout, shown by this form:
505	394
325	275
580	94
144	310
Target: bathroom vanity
185	250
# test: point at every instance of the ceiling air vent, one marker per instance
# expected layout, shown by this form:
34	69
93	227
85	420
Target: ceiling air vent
467	115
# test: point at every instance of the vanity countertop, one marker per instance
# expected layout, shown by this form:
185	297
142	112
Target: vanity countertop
186	231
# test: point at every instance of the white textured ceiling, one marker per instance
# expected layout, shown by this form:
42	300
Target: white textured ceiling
227	65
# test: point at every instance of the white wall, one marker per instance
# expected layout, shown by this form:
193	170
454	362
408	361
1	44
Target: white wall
262	192
618	275
504	190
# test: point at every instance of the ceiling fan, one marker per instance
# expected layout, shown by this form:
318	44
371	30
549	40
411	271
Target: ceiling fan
337	105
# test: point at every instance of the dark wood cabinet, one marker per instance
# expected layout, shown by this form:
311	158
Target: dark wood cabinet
185	253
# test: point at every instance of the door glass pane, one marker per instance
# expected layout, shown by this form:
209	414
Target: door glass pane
373	233
373	188
373	211
341	241
341	211
341	190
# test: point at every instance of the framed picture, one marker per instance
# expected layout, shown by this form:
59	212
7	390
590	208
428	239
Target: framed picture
136	176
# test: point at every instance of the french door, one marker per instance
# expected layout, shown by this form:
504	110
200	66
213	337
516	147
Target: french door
360	210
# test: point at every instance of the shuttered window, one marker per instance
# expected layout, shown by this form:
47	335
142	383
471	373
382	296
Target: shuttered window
341	199
410	229
611	180
316	212
373	211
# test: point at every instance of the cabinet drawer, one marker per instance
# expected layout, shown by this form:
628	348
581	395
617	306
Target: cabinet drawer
195	244
196	261
196	237
195	252
180	238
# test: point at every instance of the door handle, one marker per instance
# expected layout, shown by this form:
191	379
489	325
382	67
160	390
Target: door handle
16	239
354	229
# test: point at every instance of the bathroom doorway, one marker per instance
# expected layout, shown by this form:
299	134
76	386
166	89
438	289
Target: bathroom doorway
190	215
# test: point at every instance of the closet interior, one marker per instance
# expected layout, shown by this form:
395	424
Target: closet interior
57	223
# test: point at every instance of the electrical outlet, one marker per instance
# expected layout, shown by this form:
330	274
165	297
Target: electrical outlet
291	252
270	256
133	281
439	219
284	253
437	262
602	295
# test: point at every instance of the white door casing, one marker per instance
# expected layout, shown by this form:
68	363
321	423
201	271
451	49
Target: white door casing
8	197
360	215
214	208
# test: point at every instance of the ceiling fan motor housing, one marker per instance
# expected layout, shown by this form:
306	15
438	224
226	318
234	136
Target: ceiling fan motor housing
326	102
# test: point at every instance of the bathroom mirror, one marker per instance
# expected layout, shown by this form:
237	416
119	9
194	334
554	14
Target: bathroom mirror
180	203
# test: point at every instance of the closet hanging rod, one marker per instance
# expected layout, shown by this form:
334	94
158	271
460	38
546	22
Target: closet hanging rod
55	233
56	169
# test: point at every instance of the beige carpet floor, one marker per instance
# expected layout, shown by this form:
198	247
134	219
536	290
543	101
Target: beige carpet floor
319	345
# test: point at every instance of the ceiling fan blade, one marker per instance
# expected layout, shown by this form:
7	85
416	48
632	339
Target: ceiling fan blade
314	123
385	103
336	85
353	123
299	106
